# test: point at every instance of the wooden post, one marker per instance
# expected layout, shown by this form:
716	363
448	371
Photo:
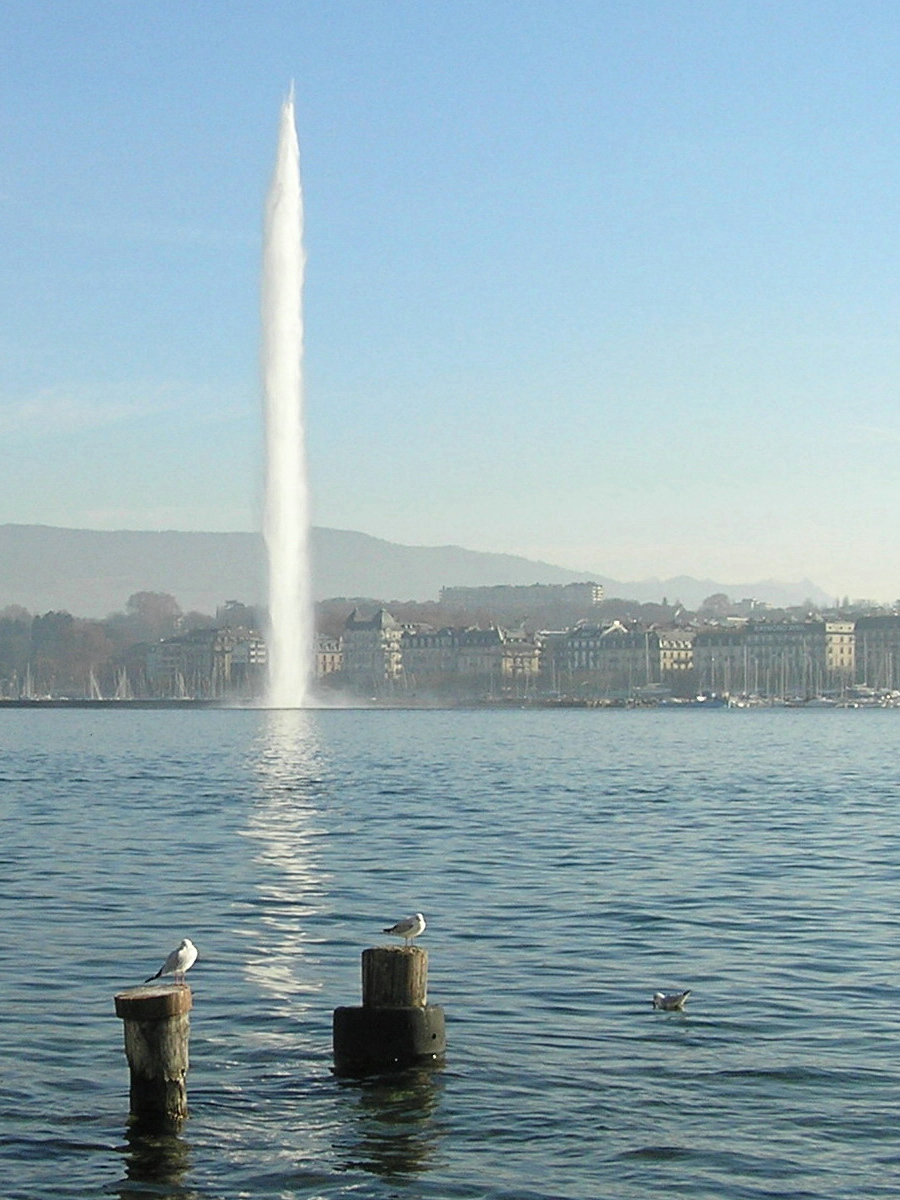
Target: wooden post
157	1030
395	1028
394	976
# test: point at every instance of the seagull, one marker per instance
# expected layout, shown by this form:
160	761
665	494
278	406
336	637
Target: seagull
408	928
670	1001
180	960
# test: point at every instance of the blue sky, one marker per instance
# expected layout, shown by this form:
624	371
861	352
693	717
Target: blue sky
616	285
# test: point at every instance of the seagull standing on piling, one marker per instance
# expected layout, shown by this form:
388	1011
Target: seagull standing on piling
180	960
670	1001
408	928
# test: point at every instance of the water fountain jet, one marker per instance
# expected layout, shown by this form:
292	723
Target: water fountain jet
286	520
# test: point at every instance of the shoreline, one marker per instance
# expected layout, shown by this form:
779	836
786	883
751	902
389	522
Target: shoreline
716	703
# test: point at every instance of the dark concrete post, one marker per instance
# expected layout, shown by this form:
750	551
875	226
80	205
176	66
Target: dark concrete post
395	1028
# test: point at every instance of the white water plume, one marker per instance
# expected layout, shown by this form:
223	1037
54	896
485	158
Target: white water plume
286	522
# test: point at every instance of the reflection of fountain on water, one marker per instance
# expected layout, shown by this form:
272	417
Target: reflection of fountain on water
286	523
289	884
295	956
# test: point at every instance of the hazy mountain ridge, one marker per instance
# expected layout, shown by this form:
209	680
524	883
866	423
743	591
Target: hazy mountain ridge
91	573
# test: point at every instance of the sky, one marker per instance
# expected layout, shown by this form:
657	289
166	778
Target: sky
615	286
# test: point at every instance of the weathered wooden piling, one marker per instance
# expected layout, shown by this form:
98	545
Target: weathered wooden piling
395	1027
157	1031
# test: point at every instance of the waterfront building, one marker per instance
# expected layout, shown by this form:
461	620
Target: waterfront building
520	661
479	660
183	666
722	663
840	653
789	659
525	598
430	658
803	658
243	662
372	651
207	664
608	661
878	651
329	655
676	659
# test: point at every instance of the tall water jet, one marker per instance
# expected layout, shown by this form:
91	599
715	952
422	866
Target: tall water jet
286	520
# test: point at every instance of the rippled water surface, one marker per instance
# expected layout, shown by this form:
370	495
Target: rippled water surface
569	863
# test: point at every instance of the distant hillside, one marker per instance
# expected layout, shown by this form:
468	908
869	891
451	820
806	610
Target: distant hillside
92	573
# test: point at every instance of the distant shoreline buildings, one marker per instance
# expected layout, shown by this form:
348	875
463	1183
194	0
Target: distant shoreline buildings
597	653
788	659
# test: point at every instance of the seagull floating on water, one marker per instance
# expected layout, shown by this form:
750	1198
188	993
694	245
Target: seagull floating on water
408	928
670	1001
180	960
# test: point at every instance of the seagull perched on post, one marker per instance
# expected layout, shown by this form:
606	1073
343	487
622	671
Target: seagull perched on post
408	928
670	1001
180	960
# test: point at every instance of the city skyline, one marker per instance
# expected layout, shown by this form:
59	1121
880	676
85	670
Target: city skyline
609	287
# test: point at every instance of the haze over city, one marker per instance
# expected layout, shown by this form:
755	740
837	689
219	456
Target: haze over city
610	286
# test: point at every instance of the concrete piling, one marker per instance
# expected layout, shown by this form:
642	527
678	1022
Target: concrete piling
395	1027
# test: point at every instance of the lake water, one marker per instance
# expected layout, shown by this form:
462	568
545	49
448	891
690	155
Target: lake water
569	863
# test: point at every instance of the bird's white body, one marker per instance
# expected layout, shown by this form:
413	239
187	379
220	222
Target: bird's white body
408	928
670	1001
180	960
